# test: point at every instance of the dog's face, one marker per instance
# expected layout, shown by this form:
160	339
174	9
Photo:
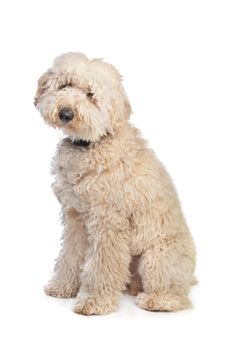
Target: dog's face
83	97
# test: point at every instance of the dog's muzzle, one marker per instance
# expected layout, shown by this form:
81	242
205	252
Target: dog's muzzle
66	115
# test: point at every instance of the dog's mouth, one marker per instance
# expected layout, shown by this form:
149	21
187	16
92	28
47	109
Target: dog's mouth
35	101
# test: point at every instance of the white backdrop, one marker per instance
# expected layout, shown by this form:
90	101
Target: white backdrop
177	61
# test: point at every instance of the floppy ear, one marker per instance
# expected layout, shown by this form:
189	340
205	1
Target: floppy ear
42	85
125	104
120	106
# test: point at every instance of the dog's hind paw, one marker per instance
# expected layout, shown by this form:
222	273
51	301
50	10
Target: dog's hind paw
163	302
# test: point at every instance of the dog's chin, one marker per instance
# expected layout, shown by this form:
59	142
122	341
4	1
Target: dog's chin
77	130
75	135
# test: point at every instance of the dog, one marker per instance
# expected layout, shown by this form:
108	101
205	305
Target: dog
123	224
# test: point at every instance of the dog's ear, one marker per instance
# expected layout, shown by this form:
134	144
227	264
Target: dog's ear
125	107
120	106
42	85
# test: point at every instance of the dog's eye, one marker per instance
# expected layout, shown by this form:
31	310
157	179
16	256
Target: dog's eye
63	86
90	94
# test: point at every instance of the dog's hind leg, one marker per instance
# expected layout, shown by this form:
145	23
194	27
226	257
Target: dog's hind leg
65	283
167	273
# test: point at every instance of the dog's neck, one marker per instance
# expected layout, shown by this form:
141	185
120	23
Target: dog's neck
81	143
117	134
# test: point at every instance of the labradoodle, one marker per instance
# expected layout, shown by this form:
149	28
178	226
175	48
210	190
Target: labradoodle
123	225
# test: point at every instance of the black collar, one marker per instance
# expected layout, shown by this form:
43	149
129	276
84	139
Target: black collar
81	143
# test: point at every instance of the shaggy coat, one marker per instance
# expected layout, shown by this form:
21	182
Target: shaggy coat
123	224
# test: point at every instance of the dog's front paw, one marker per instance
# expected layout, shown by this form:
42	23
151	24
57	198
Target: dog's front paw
60	290
94	305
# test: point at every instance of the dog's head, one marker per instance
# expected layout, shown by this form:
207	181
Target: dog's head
85	98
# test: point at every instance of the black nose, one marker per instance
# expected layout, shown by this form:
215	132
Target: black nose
66	115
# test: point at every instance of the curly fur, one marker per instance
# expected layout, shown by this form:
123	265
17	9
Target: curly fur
123	224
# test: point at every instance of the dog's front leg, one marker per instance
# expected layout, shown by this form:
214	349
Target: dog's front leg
65	282
106	269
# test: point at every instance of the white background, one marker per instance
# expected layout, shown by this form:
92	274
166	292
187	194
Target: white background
177	61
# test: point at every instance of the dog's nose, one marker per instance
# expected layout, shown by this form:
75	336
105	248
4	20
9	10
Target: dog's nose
66	115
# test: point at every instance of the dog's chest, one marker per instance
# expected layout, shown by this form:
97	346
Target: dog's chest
75	175
71	162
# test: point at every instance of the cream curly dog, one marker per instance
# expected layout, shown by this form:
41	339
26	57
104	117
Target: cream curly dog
123	224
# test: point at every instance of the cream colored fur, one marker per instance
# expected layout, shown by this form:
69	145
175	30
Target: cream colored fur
123	224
